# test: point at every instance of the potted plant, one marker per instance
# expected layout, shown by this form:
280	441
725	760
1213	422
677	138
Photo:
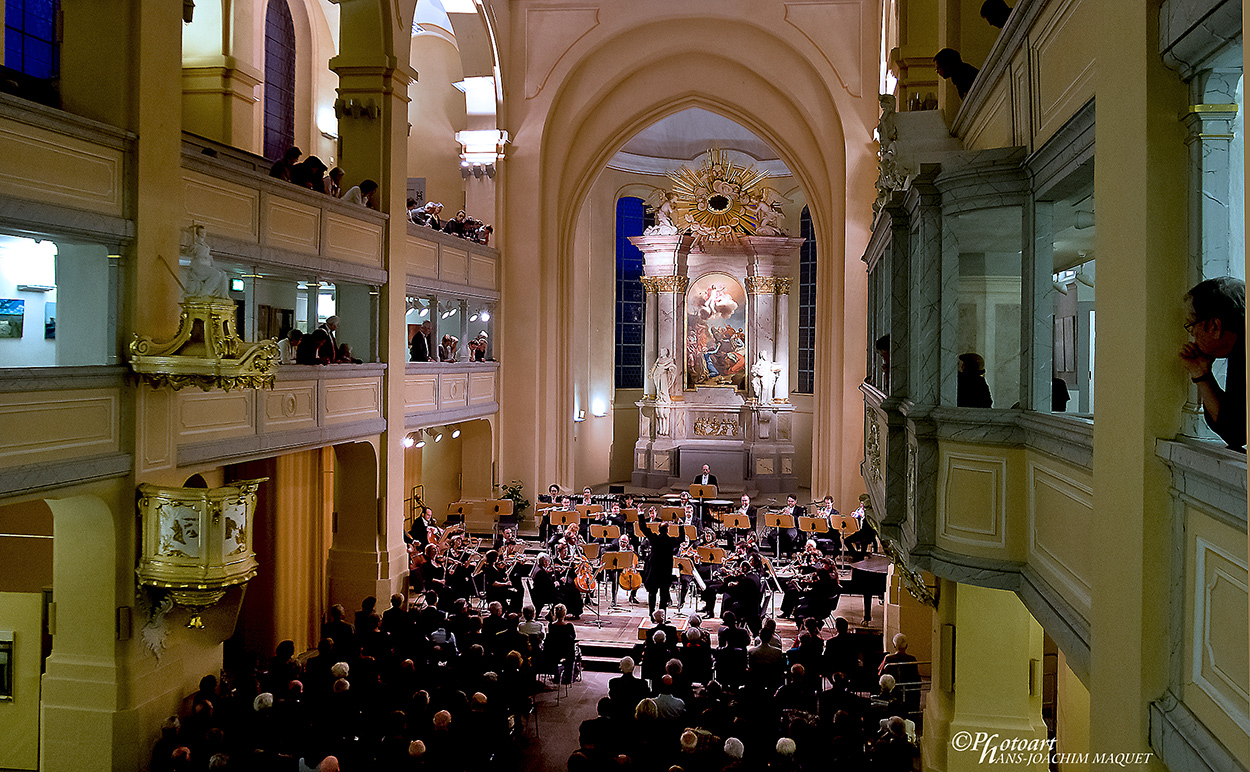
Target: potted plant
512	491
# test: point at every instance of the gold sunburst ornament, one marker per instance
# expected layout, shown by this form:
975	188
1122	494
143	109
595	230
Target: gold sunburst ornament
719	200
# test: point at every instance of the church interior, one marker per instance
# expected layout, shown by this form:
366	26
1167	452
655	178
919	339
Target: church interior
753	344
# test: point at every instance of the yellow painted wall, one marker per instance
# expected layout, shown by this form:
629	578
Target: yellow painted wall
440	473
982	509
436	113
1071	715
21	613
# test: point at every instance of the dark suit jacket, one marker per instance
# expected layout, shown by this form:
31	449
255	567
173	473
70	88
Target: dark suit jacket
663	548
698	479
626	692
419	348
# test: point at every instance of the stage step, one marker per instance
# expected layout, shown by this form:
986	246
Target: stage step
605	656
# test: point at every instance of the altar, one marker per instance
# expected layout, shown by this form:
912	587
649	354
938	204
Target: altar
717	346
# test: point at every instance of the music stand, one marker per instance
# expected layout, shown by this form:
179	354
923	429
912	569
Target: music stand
777	521
714	555
671	514
563	517
456	510
586	510
498	509
605	531
702	492
673	529
618	561
737	522
631	515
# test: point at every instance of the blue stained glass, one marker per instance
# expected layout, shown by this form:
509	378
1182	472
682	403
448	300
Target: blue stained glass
30	44
631	220
807	306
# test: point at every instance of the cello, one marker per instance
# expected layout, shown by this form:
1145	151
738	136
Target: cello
584	576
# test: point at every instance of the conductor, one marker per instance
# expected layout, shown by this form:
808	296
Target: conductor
704	478
658	574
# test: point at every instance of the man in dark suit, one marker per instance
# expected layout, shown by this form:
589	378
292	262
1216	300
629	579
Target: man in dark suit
748	509
626	691
789	536
419	347
659	571
543	590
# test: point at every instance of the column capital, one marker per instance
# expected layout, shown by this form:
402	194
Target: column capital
665	283
768	285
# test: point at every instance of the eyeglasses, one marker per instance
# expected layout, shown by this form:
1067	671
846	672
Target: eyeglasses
1189	326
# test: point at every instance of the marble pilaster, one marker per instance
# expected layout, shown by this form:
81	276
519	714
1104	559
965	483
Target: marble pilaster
781	341
923	206
1209	126
650	348
1038	308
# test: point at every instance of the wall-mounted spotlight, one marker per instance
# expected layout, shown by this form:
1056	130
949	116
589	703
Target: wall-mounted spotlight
581	416
473	318
438	436
455	432
409	441
485	315
424	312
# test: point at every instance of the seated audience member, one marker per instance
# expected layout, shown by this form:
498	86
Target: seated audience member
364	194
1216	318
951	65
455	226
334	184
892	751
289	345
598	736
995	12
281	168
315	349
627	690
414	207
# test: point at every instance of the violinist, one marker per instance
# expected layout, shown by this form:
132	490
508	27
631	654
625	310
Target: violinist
711	585
806	563
544	586
744	591
460	569
614	575
690	551
433	572
820	598
555	533
498	584
511	556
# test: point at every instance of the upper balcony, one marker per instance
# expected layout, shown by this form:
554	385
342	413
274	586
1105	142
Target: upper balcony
254	218
443	392
439	263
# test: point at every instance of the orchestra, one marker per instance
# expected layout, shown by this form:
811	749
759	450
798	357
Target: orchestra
560	571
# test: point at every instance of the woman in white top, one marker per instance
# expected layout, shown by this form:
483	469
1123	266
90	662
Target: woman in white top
288	345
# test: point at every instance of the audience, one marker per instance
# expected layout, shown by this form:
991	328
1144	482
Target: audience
364	194
995	12
1216	318
951	65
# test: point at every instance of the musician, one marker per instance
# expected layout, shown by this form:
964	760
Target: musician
789	536
544	583
861	542
831	542
424	529
498	584
805	565
554	533
744	591
705	477
460	570
511	555
689	550
658	575
569	555
617	518
621	544
433	571
821	596
749	510
553	498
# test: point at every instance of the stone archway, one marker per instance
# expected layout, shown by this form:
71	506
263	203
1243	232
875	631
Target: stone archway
600	99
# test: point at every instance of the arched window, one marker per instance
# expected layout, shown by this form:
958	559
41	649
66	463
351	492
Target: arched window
30	43
632	219
807	305
279	79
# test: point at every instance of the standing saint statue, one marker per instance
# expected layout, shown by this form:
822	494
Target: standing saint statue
664	373
202	278
764	377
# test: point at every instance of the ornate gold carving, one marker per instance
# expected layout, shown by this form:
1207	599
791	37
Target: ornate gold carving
872	448
721	201
665	283
206	352
716	426
768	285
196	541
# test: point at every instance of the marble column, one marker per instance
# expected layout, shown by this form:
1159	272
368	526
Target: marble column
1037	313
781	340
1209	126
462	352
670	294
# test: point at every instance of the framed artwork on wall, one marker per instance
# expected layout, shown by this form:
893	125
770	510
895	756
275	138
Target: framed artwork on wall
12	316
